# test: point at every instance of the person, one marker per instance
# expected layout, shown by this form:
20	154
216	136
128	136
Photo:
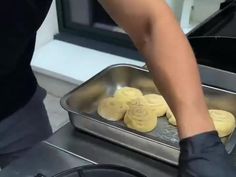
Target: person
154	30
23	118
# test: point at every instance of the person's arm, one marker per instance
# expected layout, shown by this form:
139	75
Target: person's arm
154	30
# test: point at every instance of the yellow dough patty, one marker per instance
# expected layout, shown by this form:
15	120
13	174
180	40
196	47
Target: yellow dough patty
140	101
157	103
224	122
112	109
140	118
171	118
127	94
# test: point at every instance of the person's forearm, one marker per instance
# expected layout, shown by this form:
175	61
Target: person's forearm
155	32
173	65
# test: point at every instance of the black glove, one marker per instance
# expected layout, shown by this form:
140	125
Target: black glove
204	155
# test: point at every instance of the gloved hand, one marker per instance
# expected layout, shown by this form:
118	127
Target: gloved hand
204	155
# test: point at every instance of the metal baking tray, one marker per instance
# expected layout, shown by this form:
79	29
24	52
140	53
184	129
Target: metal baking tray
161	143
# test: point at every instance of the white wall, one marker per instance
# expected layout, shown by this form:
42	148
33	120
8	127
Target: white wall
201	10
49	27
176	6
204	8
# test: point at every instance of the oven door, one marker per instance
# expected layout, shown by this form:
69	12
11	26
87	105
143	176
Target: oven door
216	52
214	39
214	44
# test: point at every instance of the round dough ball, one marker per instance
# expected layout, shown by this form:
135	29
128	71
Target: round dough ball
140	113
141	126
140	118
112	109
171	118
140	101
224	122
127	94
157	103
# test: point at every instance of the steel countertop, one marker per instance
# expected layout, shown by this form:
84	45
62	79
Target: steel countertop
43	159
98	150
79	143
69	148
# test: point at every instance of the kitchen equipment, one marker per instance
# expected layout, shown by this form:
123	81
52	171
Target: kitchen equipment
221	23
214	40
217	52
100	171
162	143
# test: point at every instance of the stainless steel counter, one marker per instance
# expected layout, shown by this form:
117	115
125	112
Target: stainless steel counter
82	144
69	148
42	159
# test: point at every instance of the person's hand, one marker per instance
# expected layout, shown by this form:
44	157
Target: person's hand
204	155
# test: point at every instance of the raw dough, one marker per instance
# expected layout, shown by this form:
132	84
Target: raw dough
140	101
127	94
171	118
140	118
157	103
224	122
112	109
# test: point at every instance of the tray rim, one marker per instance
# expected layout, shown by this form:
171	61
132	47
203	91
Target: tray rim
64	98
174	161
126	131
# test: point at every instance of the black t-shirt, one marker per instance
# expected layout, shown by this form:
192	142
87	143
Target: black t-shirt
19	22
204	155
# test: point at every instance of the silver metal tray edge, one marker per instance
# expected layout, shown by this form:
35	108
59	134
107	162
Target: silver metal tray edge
131	140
